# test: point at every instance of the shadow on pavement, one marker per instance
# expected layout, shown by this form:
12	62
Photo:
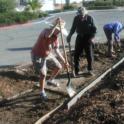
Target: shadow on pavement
19	49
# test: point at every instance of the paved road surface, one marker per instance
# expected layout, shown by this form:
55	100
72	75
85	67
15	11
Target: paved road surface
16	41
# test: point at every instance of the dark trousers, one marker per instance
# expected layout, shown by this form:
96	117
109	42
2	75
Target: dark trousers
83	44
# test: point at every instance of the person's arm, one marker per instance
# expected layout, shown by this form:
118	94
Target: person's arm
93	28
58	53
116	31
73	28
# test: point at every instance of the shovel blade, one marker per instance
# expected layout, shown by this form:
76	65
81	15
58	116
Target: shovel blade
70	91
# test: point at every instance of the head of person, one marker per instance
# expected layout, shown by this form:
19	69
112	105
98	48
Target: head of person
82	11
55	27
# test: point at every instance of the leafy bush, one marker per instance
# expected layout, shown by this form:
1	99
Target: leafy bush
70	7
7	5
17	17
101	7
103	3
42	14
119	3
34	5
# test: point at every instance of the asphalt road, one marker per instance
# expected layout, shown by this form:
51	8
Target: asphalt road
16	41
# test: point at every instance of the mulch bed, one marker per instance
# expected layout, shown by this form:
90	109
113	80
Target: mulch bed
103	105
27	109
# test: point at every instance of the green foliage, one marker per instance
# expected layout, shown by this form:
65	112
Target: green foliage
103	3
7	5
34	4
100	4
42	14
17	17
69	7
101	7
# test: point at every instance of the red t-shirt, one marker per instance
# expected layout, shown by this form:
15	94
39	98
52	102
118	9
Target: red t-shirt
42	46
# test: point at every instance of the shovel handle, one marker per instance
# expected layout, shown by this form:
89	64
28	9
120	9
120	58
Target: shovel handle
72	66
53	30
63	44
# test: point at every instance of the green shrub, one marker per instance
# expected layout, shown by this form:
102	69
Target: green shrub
103	3
6	18
70	7
42	14
20	18
17	17
7	5
119	3
101	7
54	11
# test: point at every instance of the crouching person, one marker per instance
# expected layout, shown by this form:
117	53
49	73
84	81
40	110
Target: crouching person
43	57
110	29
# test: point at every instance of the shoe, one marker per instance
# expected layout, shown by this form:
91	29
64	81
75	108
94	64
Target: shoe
76	74
53	83
43	96
113	52
113	56
90	73
36	84
118	50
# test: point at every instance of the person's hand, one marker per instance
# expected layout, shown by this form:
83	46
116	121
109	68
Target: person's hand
68	38
66	64
92	40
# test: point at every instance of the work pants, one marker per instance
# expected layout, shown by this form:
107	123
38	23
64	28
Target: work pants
83	44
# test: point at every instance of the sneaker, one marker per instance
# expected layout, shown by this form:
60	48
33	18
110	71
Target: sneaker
90	73
43	96
53	83
113	52
37	84
113	56
76	74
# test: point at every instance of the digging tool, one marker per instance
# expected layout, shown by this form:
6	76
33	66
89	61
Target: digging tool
69	87
72	66
52	31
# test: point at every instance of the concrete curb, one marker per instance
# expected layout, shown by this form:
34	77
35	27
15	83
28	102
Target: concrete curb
76	97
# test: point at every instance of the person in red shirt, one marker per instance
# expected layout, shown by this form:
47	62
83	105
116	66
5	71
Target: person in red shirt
43	58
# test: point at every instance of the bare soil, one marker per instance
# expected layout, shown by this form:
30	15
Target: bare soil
28	108
102	105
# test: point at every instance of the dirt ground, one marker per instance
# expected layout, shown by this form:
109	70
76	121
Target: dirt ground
28	108
103	105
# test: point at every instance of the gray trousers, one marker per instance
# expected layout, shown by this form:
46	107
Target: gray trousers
108	34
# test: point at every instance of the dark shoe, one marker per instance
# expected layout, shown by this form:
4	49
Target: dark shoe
43	96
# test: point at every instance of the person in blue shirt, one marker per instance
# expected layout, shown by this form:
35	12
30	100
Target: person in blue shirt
113	28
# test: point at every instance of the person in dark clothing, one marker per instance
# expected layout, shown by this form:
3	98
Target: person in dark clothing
85	28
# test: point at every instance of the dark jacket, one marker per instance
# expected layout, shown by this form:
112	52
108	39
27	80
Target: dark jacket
83	26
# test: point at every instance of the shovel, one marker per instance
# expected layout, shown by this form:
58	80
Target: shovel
69	87
71	60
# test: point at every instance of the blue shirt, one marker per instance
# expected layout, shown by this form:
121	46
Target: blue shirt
116	28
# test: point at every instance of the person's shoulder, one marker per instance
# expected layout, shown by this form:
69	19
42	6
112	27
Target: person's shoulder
89	16
76	17
45	32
